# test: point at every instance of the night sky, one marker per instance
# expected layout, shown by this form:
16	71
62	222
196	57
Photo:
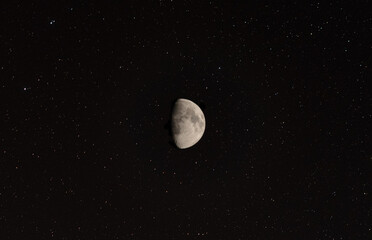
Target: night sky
86	96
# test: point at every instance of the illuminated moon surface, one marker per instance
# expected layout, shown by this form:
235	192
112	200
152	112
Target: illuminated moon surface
188	123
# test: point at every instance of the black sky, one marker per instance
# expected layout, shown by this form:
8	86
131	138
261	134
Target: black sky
87	90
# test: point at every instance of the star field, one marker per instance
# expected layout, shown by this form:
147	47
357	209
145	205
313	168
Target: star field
87	91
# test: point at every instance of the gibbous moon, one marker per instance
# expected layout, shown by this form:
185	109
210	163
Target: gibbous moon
188	123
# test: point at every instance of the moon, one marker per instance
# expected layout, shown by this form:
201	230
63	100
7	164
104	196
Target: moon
188	123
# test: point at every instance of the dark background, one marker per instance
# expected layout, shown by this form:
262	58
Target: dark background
87	89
